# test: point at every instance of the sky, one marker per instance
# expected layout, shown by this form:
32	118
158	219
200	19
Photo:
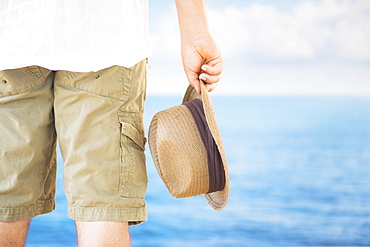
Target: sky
290	47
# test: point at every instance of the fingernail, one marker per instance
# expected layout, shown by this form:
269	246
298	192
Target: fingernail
204	67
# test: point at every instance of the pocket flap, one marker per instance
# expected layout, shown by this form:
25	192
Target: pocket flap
132	133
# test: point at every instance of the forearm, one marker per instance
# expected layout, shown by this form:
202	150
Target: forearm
201	57
192	19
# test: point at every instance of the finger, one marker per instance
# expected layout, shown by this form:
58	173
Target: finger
210	87
196	85
209	78
212	70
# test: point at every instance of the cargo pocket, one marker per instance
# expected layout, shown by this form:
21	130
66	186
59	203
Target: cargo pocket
18	81
133	176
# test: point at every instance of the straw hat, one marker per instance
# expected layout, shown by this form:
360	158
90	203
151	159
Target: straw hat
187	165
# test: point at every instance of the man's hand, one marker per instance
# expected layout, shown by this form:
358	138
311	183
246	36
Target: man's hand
201	58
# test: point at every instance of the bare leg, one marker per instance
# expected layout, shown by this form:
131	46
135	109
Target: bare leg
14	233
103	233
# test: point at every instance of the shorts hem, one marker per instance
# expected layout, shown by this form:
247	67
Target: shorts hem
25	213
133	216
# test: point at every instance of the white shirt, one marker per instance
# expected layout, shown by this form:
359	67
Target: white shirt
75	35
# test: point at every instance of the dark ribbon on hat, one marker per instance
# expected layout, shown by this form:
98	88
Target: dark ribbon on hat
215	165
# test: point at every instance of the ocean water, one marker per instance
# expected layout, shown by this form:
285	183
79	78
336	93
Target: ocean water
299	175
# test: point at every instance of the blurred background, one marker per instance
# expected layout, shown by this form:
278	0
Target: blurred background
291	47
293	107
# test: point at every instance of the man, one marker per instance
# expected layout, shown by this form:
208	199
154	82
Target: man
77	70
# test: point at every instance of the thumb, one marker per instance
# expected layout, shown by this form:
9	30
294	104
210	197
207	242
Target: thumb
196	84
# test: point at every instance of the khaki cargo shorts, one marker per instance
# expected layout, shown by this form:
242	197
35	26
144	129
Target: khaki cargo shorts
97	118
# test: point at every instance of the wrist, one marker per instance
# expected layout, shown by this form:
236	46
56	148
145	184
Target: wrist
196	40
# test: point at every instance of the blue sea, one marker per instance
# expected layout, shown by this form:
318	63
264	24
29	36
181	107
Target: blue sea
299	175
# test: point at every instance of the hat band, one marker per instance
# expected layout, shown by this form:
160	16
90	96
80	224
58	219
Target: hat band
216	169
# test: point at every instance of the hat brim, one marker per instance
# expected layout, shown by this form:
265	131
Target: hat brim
217	200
